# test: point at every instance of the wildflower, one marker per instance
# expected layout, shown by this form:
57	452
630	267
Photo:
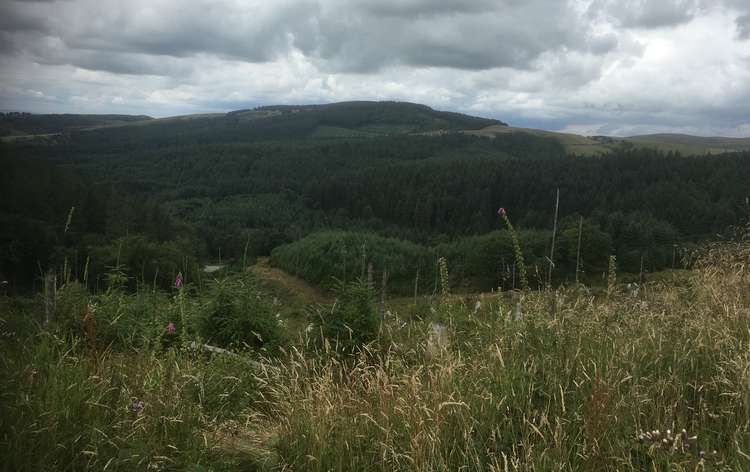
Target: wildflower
137	406
171	328
516	248
178	281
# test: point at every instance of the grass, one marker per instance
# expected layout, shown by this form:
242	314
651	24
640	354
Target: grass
569	390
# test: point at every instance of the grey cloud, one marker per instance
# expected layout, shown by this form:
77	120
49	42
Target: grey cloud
563	61
481	36
645	13
14	17
254	35
743	27
360	36
129	63
602	44
422	8
163	29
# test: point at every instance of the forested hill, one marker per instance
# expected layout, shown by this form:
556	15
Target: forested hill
157	195
27	124
336	120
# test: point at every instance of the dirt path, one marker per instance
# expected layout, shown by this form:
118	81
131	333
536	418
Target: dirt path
288	283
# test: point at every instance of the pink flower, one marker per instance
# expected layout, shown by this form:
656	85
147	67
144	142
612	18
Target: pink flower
178	281
501	212
171	328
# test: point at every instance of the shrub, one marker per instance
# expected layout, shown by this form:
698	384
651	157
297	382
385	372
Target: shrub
352	320
72	299
239	313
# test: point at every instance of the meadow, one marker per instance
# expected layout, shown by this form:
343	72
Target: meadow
654	377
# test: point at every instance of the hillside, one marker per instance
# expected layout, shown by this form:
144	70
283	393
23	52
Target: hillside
152	192
344	120
573	143
336	120
24	125
687	144
599	145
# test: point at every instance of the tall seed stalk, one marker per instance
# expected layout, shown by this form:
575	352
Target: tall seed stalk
516	249
554	235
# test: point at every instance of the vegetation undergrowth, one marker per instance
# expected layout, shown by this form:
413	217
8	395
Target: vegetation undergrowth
459	384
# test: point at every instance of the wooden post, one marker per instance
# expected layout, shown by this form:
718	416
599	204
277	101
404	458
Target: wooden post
50	297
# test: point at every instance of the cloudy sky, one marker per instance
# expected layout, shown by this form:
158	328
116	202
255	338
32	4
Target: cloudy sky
617	67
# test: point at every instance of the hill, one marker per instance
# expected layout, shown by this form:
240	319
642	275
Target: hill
573	143
25	125
687	144
344	120
599	145
147	192
336	120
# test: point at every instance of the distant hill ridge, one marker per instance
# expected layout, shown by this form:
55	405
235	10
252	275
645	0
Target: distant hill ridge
341	120
18	124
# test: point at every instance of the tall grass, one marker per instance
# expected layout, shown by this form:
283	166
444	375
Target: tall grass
573	391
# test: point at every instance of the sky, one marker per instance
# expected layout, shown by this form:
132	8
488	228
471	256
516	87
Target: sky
594	67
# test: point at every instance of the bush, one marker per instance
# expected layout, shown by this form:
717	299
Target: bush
352	320
239	313
72	299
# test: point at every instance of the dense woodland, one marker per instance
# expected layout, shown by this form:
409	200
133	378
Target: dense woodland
364	181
